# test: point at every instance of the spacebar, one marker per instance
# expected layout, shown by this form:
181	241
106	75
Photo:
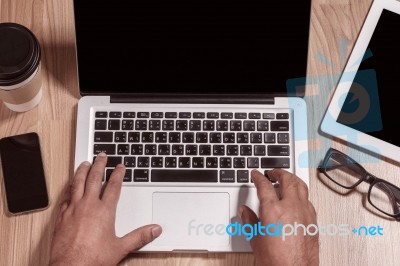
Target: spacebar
184	176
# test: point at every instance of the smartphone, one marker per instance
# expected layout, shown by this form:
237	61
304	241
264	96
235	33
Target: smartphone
23	173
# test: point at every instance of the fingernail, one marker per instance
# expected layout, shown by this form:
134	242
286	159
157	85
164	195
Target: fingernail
86	163
240	212
156	231
120	165
102	154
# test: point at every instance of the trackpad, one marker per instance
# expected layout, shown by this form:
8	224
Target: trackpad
191	220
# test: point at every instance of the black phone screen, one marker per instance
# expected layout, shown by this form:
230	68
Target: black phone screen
23	173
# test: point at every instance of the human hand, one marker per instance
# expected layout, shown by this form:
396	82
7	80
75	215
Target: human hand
293	206
85	228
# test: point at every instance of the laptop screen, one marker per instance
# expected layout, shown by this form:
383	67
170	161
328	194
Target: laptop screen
191	46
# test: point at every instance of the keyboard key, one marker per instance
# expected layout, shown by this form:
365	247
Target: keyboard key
282	116
262	125
225	162
245	150
115	114
208	125
101	115
239	162
150	149
195	125
100	124
187	176
181	125
249	125
141	125
236	125
279	125
113	161
106	148
164	149
278	150
254	116
103	136
157	115
191	149
205	150
283	137
219	150
269	138
222	125
198	162
170	162
242	138
114	124
201	137
154	124
130	161
185	115
177	149
259	150
143	114
212	162
128	175
147	137
199	115
123	149
127	124
168	125
129	114
242	176
143	162
212	115
120	137
255	138
229	137
141	175
275	162
232	150
227	176
188	137
268	116
137	149
253	162
240	116
184	162
171	115
133	137
161	137
215	137
174	137
157	162
108	174
226	115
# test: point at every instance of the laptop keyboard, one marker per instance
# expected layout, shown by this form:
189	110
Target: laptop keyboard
192	147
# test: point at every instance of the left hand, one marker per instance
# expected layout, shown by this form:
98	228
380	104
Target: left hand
85	228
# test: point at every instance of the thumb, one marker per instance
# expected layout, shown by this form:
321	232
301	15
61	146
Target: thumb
247	215
140	237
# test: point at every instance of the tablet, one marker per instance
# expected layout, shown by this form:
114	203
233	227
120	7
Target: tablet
365	107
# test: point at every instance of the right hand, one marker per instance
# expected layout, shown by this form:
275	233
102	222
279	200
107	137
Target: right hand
293	206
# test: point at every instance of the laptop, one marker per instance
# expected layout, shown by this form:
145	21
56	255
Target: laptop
191	96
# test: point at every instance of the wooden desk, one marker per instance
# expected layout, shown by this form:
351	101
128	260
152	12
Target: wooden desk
25	239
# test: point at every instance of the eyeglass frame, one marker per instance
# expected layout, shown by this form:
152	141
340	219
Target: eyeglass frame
365	176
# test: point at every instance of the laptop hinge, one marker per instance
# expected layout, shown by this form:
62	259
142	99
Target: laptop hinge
194	99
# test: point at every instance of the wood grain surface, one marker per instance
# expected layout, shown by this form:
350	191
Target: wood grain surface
335	24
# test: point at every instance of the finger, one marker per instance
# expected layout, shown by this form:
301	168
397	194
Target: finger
247	215
77	187
93	181
265	190
140	237
303	190
288	183
114	184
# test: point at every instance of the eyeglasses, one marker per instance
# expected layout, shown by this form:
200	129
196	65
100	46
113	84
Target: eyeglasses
347	173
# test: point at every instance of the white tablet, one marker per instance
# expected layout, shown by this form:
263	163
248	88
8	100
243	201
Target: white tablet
365	108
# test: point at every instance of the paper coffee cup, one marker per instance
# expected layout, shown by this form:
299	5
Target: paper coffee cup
20	71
